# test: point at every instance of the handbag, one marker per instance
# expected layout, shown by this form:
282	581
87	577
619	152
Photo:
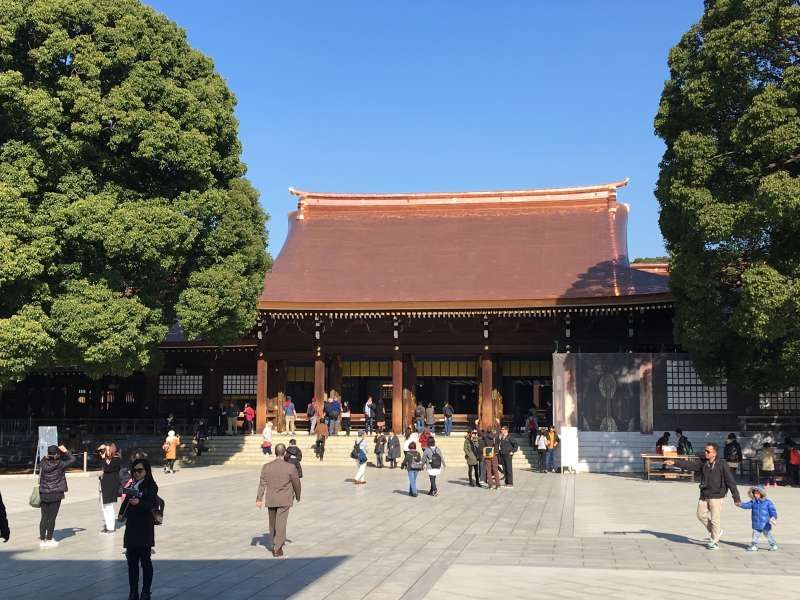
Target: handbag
35	500
266	444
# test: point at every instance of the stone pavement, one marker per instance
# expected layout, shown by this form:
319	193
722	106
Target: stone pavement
565	536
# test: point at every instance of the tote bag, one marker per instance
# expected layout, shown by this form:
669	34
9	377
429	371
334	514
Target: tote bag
35	500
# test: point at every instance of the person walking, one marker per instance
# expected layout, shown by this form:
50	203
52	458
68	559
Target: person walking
322	437
200	437
289	415
471	454
553	441
5	531
278	488
266	438
311	413
392	450
360	451
369	415
541	450
732	453
716	479
433	459
430	418
249	419
414	466
170	449
448	418
294	455
506	449
231	414
763	515
336	413
140	499
346	417
110	483
380	449
489	455
52	487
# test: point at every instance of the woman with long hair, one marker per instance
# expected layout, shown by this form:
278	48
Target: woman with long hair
52	486
109	484
137	511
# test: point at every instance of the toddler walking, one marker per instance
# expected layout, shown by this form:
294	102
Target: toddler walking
763	516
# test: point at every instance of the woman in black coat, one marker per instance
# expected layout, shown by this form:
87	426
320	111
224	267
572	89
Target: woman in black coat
379	415
52	486
137	511
109	484
393	450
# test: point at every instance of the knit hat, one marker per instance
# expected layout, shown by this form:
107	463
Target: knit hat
757	488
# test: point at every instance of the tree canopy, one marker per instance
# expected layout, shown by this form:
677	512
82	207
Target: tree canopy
123	203
729	190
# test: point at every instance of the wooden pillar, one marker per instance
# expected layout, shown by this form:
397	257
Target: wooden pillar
397	393
486	412
497	390
261	390
646	395
537	395
319	382
409	391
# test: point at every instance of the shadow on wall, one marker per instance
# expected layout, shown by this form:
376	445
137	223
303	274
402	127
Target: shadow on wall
107	578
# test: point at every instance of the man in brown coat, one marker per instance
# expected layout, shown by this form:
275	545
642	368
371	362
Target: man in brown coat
282	486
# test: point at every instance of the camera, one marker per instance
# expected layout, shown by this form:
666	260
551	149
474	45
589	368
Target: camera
131	492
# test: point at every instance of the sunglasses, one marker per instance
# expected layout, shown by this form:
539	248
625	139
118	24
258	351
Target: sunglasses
708	451
140	470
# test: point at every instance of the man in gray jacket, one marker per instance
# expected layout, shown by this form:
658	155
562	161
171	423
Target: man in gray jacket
281	484
716	478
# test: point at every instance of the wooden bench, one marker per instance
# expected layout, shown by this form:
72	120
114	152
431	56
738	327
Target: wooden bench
650	460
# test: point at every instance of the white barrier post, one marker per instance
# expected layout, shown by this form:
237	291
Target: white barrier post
85	460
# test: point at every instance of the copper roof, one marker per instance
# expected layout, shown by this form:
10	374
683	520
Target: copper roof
506	249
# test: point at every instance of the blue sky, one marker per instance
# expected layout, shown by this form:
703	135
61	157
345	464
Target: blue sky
366	96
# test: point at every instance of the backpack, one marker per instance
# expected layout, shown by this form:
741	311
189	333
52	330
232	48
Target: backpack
488	452
685	447
436	460
311	410
415	464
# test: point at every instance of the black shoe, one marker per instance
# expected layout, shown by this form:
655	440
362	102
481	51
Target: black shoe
145	596
134	596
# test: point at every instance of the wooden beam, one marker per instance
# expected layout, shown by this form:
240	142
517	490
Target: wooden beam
261	391
486	413
397	393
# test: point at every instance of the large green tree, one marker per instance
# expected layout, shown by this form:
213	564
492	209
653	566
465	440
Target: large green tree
123	205
729	190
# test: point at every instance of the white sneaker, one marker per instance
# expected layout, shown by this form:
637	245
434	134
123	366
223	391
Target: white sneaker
42	544
51	544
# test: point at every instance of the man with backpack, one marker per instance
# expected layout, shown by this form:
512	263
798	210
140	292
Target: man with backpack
448	418
684	446
506	449
489	456
434	461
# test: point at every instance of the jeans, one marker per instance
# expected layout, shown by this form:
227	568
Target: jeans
333	426
550	459
169	465
767	533
346	425
542	459
448	425
48	521
312	424
368	424
137	556
420	425
412	482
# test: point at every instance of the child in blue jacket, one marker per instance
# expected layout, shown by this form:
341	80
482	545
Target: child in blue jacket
763	516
